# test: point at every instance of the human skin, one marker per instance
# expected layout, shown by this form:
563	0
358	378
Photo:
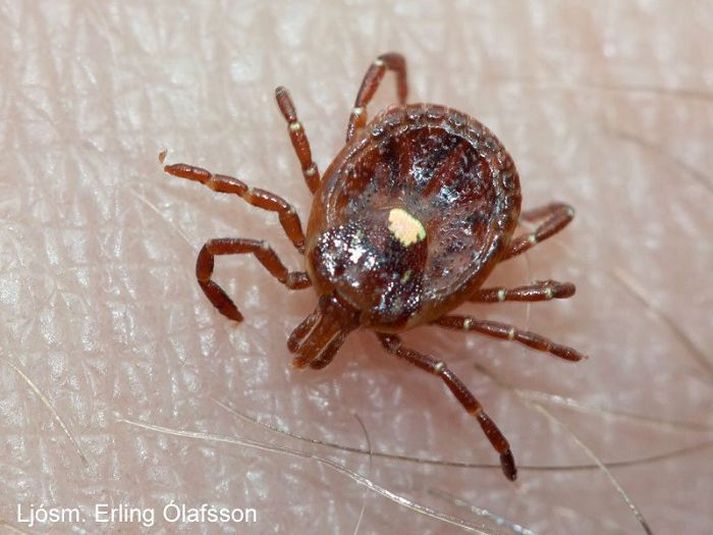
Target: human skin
103	324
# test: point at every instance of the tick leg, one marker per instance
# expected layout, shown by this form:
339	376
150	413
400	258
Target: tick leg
295	280
540	291
390	61
556	216
392	344
289	219
298	138
508	332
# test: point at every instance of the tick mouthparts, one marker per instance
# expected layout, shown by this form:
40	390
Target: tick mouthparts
318	338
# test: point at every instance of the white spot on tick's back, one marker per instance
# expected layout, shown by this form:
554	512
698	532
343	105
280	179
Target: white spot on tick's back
405	227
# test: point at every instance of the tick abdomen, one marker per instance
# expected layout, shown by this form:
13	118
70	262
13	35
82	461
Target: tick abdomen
444	170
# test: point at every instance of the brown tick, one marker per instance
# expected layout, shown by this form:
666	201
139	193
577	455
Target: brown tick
406	224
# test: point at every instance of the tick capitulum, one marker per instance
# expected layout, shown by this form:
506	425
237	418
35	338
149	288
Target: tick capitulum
406	224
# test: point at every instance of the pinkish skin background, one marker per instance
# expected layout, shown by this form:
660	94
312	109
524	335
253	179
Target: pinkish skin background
609	108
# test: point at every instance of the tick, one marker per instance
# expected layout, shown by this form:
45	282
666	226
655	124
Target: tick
407	222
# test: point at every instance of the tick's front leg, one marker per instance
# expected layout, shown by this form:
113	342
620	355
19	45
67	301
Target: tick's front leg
392	344
295	280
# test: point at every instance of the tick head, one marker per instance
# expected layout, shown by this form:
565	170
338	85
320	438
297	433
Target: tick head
375	263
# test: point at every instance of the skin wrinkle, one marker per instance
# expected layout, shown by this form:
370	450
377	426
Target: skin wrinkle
606	109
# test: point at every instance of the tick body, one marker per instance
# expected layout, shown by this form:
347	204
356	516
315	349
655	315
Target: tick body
412	215
407	222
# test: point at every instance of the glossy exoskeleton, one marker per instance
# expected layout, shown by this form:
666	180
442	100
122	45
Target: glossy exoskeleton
406	224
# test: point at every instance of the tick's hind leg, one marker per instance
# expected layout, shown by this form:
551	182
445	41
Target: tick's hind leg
289	219
508	332
298	138
295	280
390	61
556	216
393	345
